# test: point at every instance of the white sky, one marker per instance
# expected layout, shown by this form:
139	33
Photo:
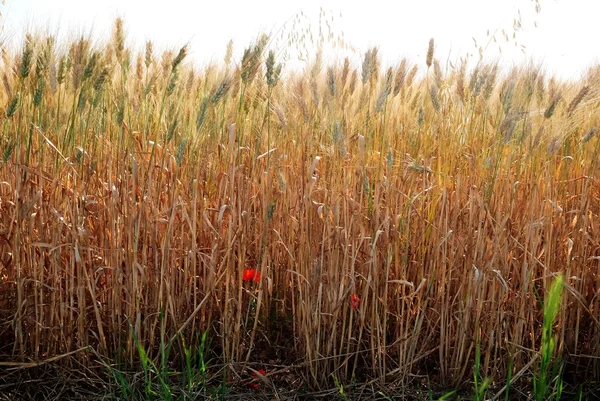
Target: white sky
564	39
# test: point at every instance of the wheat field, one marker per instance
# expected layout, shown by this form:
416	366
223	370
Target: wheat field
345	223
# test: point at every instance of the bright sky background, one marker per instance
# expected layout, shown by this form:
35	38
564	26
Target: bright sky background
564	39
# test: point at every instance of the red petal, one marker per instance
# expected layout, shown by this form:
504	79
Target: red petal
354	301
251	274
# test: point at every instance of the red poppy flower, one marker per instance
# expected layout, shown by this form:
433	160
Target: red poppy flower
355	301
255	385
251	275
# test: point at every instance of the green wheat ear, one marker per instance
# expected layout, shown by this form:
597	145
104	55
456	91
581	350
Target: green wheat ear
8	150
179	58
550	110
551	307
11	108
26	59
